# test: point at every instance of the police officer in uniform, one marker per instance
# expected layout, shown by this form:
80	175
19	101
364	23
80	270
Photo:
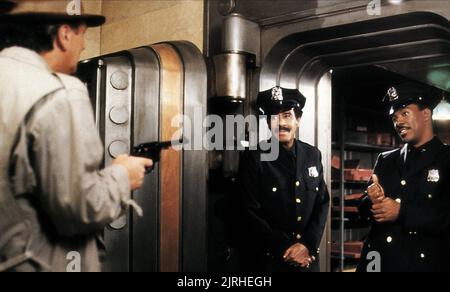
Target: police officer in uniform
408	199
284	202
54	198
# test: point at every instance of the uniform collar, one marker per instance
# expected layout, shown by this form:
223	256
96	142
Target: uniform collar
427	155
292	151
430	145
27	56
434	144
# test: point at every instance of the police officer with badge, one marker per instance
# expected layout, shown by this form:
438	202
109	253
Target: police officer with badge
408	200
284	202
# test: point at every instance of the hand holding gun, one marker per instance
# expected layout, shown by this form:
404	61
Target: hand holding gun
153	150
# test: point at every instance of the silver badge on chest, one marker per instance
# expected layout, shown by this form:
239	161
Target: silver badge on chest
433	175
313	172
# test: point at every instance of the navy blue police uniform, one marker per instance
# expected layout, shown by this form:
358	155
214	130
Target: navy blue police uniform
418	179
283	202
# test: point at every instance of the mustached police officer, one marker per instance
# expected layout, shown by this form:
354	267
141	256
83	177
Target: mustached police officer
54	199
284	202
408	200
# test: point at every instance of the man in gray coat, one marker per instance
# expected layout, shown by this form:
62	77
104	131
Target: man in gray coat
54	199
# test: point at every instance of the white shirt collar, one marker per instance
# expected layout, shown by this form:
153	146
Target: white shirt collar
26	56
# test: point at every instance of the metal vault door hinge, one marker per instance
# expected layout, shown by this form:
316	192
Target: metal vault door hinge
116	124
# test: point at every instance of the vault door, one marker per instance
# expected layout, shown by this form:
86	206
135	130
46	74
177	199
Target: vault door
136	95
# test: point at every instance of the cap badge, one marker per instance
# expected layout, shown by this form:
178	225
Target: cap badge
277	94
392	93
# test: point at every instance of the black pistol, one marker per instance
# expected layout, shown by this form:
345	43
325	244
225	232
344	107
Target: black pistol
153	150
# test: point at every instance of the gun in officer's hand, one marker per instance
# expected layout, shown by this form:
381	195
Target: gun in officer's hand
153	150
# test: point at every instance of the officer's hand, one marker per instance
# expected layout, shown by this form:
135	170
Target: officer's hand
376	191
386	211
307	261
136	169
298	255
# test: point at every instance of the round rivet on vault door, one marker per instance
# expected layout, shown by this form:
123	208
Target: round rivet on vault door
118	147
119	115
119	80
119	223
